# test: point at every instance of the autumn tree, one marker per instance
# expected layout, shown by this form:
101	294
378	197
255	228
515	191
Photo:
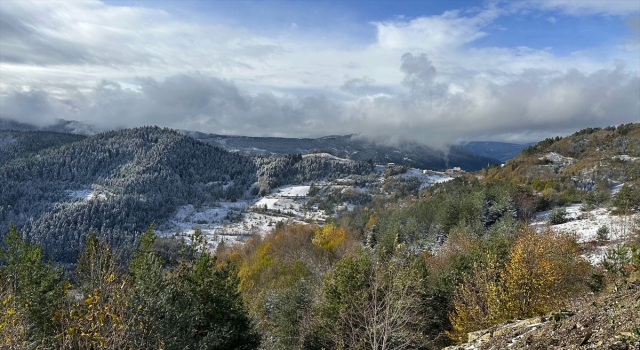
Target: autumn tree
97	315
477	301
543	270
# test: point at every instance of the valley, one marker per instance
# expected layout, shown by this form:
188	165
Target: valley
230	222
320	235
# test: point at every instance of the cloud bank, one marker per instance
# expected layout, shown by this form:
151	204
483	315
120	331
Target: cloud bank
421	79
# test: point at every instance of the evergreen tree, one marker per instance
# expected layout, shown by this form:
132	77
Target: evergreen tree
35	286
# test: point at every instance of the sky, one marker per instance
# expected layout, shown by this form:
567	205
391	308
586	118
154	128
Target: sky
435	72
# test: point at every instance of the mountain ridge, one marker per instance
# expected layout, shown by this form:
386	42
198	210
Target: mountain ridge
349	146
502	151
352	147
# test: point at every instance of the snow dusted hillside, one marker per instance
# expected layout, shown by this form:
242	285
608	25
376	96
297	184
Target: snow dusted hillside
236	221
585	225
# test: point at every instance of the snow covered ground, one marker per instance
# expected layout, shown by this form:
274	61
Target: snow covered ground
584	225
85	194
326	155
235	221
557	158
294	191
428	179
81	194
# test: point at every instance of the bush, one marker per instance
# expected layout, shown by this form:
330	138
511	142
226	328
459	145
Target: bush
558	216
603	233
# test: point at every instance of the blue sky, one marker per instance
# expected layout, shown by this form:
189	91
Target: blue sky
432	71
535	27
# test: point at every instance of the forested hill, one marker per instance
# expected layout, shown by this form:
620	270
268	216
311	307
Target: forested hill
351	147
59	187
115	184
16	144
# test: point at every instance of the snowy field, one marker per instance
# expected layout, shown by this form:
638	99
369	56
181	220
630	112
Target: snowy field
428	179
585	224
235	221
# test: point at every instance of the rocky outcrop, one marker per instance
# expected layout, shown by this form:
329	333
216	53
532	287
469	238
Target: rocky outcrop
610	321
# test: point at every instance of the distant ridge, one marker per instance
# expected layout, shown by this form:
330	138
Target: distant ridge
350	147
502	151
64	126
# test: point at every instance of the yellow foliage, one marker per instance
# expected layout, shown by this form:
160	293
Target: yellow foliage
251	270
329	236
477	302
372	220
542	272
98	320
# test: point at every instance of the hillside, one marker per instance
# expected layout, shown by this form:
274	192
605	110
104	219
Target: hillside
115	184
352	147
583	159
470	157
322	252
59	187
16	144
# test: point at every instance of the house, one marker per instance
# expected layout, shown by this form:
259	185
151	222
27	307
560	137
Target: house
454	170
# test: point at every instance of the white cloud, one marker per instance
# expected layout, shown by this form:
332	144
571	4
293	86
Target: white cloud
434	33
586	7
420	79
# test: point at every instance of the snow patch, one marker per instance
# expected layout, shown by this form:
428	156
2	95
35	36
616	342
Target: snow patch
626	158
327	156
616	186
294	191
85	195
270	203
80	194
427	178
557	158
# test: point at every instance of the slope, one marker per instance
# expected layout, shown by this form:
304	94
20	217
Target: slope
115	184
586	163
16	144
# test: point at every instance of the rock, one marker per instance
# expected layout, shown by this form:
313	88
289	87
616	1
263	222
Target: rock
475	335
586	338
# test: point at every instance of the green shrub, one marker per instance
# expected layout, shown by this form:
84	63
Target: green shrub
558	216
603	233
